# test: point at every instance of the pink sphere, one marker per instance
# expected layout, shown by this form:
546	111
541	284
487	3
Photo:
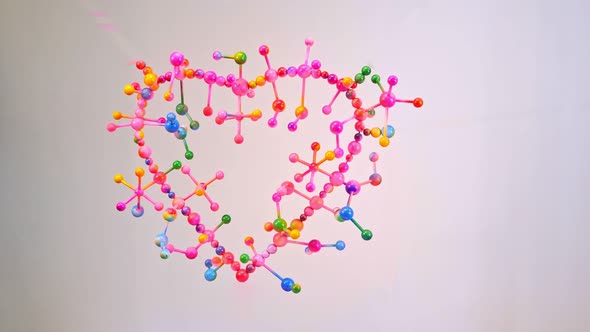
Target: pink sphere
194	218
316	202
144	152
191	253
240	87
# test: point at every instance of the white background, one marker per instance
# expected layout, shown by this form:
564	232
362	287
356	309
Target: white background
481	222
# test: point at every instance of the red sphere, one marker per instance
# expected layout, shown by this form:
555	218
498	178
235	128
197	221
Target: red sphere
278	105
282	71
242	275
418	102
315	146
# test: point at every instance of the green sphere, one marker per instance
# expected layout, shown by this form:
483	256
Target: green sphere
244	258
366	70
177	164
279	224
367	235
296	288
240	58
181	109
195	125
226	219
375	79
359	78
189	155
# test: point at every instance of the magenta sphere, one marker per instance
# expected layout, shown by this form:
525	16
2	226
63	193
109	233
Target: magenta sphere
176	59
263	50
314	245
392	80
336	127
210	77
387	99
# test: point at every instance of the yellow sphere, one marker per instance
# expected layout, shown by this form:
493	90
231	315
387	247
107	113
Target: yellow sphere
118	178
295	234
260	80
252	84
330	155
199	191
375	132
117	115
150	79
129	89
384	141
300	110
139	171
347	82
203	238
256	114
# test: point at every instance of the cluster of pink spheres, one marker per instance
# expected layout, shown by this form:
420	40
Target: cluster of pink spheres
314	196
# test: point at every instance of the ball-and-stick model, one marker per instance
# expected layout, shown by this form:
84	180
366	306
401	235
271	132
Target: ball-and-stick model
322	173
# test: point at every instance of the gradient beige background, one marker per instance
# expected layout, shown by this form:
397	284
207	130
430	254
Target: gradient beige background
481	223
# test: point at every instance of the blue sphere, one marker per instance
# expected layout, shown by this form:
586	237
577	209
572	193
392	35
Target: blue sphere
146	93
137	211
208	263
161	240
390	131
171	194
346	213
210	275
340	245
220	250
287	284
172	126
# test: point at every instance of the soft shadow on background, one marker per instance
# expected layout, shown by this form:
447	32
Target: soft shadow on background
480	223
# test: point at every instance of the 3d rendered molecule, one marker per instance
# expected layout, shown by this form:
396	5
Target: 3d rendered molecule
323	170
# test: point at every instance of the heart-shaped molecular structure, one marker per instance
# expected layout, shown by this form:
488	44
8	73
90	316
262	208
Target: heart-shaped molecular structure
322	173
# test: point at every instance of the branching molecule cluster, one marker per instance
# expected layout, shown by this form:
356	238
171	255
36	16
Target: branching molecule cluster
322	173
